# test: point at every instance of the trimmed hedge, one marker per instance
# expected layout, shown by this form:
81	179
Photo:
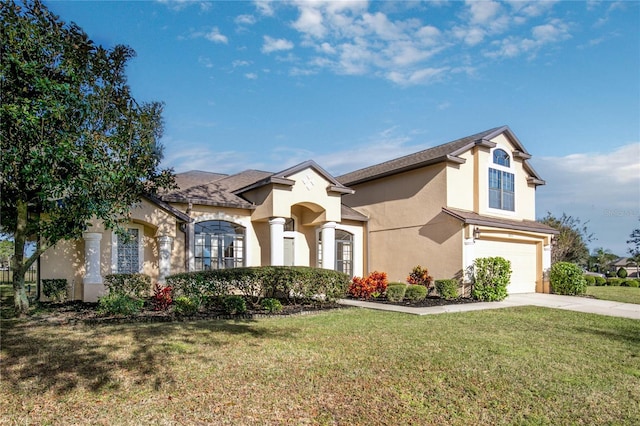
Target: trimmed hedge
622	273
600	281
416	292
567	278
614	281
590	279
630	283
396	292
55	289
137	286
299	283
447	289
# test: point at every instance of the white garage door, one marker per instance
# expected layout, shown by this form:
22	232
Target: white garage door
523	262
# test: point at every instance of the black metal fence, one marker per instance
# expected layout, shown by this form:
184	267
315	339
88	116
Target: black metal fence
6	275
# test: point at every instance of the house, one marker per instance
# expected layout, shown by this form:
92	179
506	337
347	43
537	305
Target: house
626	263
440	208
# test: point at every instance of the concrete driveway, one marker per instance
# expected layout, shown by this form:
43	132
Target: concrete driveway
570	303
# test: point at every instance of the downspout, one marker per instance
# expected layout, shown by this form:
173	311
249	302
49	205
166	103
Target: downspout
366	246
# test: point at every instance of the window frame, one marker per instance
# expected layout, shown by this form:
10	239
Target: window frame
224	241
337	241
504	172
115	252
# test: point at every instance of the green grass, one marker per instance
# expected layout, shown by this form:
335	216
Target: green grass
617	294
523	365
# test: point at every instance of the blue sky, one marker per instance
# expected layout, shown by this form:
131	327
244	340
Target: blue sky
267	85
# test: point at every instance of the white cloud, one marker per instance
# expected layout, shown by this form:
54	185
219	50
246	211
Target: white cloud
264	7
205	61
483	12
554	31
245	20
240	63
275	45
310	21
603	188
215	36
251	76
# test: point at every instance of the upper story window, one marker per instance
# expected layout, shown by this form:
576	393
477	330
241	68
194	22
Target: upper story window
501	158
218	245
501	182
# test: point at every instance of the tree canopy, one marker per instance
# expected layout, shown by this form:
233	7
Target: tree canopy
571	243
76	145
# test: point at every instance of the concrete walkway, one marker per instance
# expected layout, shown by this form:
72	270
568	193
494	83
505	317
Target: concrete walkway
570	303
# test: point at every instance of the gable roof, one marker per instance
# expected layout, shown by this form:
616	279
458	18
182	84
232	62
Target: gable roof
448	152
226	191
282	178
472	218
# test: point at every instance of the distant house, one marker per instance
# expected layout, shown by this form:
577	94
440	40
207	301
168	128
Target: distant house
626	263
441	208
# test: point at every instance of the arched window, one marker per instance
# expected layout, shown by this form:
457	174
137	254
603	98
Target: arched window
501	157
344	251
218	245
501	182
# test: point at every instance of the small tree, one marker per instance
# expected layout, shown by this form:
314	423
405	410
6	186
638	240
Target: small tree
76	146
571	242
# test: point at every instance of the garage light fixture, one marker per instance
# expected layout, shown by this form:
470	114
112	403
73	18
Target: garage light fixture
476	233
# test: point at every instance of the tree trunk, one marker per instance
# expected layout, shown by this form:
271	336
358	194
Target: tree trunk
21	303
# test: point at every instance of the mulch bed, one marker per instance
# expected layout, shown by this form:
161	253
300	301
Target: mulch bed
430	301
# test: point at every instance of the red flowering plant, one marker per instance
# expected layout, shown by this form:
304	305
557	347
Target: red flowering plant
420	276
161	298
372	286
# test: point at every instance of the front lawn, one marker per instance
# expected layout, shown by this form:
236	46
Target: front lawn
524	365
615	293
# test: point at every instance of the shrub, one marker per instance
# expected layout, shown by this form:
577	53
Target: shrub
119	304
286	282
491	275
567	278
622	273
271	305
234	305
633	283
161	297
184	305
590	279
415	292
133	285
396	291
447	289
420	276
375	284
55	289
600	281
614	281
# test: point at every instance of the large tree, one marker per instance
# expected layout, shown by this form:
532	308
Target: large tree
602	257
570	244
76	146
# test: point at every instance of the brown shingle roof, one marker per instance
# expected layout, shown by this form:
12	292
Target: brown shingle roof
218	192
447	152
196	177
350	213
473	218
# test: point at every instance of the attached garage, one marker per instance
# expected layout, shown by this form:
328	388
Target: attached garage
523	258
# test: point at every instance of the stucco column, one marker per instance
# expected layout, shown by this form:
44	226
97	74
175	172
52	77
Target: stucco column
468	257
546	267
92	280
165	243
276	228
328	231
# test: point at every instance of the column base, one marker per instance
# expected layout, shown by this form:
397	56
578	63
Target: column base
92	291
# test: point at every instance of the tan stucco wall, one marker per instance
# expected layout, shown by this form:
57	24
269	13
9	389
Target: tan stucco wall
407	226
524	192
65	260
461	191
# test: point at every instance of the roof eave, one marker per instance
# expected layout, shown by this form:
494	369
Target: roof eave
444	158
340	189
497	223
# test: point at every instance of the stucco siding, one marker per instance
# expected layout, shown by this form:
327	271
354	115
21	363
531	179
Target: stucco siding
407	226
65	260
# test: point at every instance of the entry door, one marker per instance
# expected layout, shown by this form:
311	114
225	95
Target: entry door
288	252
